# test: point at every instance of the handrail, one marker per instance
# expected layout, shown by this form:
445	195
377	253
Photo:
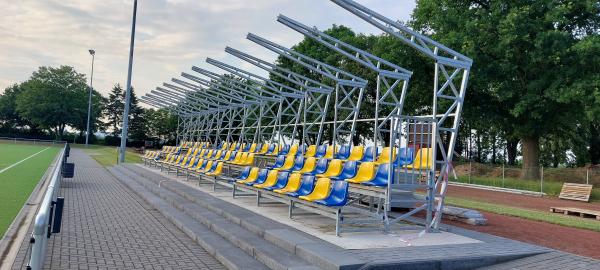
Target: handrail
42	222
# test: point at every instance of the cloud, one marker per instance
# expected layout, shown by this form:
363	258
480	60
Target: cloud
171	35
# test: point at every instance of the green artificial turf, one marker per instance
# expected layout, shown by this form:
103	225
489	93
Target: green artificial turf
17	182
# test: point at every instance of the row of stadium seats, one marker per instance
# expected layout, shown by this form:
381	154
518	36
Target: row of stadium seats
326	181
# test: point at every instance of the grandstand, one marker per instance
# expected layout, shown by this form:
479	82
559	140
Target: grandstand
266	138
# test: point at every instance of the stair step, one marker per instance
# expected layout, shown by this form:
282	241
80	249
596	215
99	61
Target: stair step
305	246
224	251
272	256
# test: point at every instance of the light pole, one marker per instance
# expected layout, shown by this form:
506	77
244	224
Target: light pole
128	90
87	134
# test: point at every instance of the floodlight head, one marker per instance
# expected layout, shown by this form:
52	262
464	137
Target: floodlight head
92	52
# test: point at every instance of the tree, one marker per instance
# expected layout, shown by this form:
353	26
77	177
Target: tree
9	117
113	110
137	128
521	50
160	124
98	102
54	98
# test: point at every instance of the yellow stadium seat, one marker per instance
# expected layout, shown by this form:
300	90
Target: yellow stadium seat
334	169
357	153
206	168
271	180
189	165
237	158
264	149
242	159
227	155
249	160
309	165
217	170
218	154
423	160
329	153
321	191
366	172
311	151
232	147
293	150
252	176
288	164
384	157
292	185
252	148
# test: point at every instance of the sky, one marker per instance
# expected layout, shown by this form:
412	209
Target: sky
171	35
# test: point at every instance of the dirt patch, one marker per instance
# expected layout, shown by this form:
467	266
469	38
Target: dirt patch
576	241
517	200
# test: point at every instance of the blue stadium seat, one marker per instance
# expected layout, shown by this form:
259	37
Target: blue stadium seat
270	149
262	176
278	162
348	171
320	168
247	148
405	156
321	151
368	157
381	177
298	163
301	150
203	164
338	195
232	156
258	147
343	153
244	174
306	186
285	149
282	179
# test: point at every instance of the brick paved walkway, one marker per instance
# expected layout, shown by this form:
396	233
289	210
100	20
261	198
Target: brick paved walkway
106	226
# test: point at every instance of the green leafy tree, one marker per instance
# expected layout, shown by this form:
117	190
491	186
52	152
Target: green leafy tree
137	128
160	124
521	50
54	98
113	110
10	119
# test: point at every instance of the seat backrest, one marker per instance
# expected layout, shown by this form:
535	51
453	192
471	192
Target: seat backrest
369	155
385	157
271	178
311	151
282	179
298	163
293	181
257	148
252	148
232	156
423	159
218	154
254	173
265	148
202	152
209	165
344	152
366	170
321	150
307	185
405	156
329	152
322	187
246	172
279	161
357	153
271	148
249	159
339	193
227	155
293	150
219	168
301	149
383	171
289	162
309	164
285	149
335	167
349	170
322	166
238	157
275	149
243	158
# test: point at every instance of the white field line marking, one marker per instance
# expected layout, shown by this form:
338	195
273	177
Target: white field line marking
19	162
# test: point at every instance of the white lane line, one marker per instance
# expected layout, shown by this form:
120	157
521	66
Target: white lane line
19	162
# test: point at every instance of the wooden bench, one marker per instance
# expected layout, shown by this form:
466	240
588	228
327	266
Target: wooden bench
577	192
576	211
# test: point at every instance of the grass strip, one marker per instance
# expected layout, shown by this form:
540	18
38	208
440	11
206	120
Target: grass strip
553	218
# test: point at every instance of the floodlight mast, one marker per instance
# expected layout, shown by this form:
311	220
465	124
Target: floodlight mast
446	60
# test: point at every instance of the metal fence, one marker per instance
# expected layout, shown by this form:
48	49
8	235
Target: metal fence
49	215
30	141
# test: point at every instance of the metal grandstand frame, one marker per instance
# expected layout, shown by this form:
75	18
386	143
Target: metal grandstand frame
449	67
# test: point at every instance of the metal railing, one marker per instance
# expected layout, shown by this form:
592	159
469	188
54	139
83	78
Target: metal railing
27	140
49	215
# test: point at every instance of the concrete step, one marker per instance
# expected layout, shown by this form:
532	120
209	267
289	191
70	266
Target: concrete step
262	250
303	245
224	251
